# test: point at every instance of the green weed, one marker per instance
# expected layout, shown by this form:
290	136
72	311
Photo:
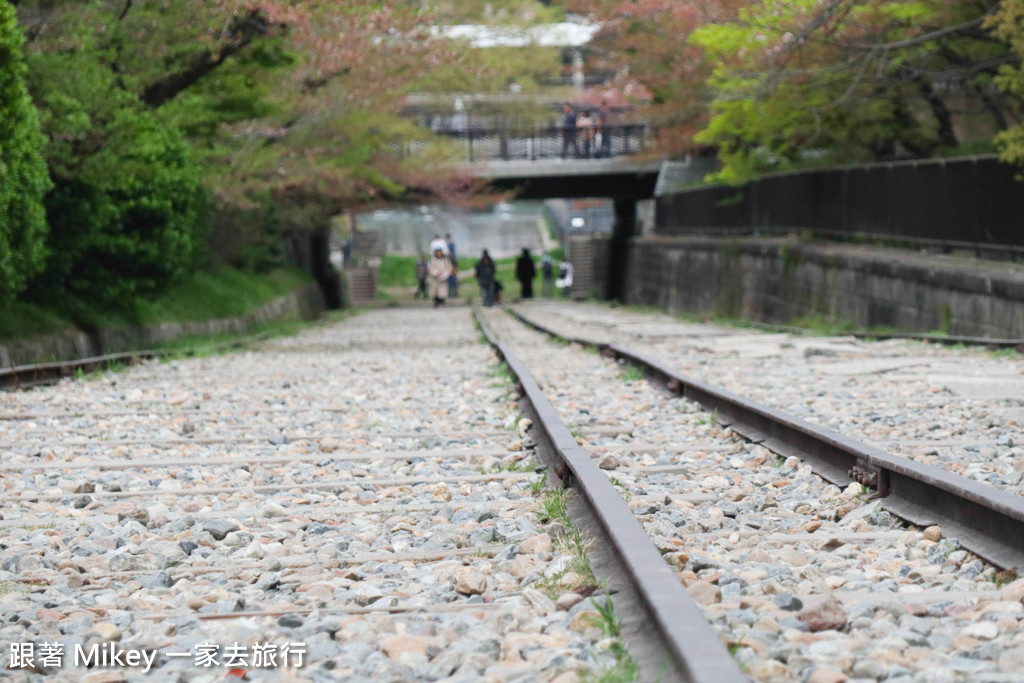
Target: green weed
711	419
625	667
1004	578
501	371
554	507
117	367
630	373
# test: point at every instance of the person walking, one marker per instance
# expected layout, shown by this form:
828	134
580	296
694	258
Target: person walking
568	126
525	272
421	278
439	269
453	279
547	272
564	282
485	270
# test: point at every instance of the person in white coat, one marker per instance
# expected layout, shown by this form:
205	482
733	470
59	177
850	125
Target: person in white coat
438	270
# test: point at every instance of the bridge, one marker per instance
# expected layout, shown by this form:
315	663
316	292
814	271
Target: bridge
621	179
615	178
488	142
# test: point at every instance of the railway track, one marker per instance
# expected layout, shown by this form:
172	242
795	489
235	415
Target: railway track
370	499
862	593
355	523
960	409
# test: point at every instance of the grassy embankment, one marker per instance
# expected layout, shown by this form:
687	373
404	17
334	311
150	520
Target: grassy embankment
220	292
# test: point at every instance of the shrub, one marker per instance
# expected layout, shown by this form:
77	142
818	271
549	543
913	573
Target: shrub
23	177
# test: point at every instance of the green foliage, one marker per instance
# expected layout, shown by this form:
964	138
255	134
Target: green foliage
945	318
23	177
20	320
219	292
630	373
554	505
161	117
1008	24
128	211
810	82
246	235
625	667
397	271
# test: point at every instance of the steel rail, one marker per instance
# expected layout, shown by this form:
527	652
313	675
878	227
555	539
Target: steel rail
945	339
697	653
983	519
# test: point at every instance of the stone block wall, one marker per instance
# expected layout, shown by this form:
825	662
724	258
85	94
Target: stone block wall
590	256
779	280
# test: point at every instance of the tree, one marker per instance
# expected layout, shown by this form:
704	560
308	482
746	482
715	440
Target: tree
1007	23
844	81
647	41
332	126
771	85
23	177
126	211
145	103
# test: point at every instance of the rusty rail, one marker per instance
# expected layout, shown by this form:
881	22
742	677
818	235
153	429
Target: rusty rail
983	519
23	376
945	339
697	653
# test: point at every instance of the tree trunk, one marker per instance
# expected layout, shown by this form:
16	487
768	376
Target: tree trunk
941	113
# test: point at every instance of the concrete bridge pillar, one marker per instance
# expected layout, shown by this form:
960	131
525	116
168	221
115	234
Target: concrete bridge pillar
623	231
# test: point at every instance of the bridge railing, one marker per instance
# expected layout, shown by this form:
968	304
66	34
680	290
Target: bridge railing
544	142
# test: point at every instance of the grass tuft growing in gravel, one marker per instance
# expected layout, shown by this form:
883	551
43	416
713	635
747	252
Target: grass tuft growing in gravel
630	373
554	507
625	667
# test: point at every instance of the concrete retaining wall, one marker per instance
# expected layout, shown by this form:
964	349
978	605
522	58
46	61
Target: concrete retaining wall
778	280
72	344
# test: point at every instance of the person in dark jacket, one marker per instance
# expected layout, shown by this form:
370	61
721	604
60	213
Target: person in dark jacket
525	272
485	277
568	125
421	277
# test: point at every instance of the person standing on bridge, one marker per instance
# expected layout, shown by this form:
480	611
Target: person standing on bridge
525	272
485	271
585	124
603	143
568	126
439	269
